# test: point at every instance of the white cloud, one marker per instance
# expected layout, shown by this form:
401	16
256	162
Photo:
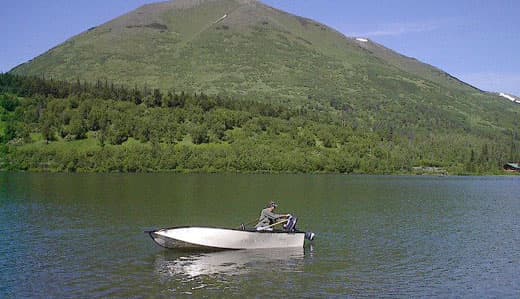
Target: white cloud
493	81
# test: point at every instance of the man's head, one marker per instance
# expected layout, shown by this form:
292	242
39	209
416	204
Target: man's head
272	205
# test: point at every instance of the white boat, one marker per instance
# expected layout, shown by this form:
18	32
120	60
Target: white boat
225	238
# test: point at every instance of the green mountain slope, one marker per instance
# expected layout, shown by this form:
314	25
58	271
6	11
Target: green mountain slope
376	109
237	47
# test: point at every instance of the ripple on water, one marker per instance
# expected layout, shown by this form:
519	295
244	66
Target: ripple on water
377	237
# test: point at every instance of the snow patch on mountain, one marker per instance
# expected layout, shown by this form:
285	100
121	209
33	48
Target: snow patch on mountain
509	97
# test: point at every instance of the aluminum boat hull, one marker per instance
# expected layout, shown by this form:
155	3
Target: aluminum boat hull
223	238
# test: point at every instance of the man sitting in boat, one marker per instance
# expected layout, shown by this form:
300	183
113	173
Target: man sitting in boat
268	218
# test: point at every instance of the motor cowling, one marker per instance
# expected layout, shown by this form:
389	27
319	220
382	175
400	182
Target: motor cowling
310	236
290	226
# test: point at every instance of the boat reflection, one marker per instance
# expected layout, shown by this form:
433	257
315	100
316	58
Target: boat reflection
235	262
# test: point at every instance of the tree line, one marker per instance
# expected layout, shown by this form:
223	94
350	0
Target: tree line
78	126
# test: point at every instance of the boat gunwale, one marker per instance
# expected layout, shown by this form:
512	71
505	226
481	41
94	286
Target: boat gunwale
275	231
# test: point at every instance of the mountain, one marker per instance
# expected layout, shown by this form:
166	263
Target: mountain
241	48
236	85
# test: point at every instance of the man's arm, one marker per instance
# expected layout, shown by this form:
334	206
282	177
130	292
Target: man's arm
274	216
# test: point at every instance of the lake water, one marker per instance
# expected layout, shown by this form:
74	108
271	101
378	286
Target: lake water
81	235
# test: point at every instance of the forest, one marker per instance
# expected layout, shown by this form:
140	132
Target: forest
51	125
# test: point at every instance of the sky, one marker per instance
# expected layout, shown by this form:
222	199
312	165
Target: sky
474	40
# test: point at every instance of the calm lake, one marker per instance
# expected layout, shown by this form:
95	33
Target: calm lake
81	235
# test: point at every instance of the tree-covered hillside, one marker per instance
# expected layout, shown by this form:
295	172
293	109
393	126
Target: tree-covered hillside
78	126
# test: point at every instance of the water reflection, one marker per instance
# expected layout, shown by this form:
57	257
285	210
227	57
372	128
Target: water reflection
237	262
378	236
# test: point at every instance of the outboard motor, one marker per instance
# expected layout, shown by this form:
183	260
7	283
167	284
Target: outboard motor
290	226
310	236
